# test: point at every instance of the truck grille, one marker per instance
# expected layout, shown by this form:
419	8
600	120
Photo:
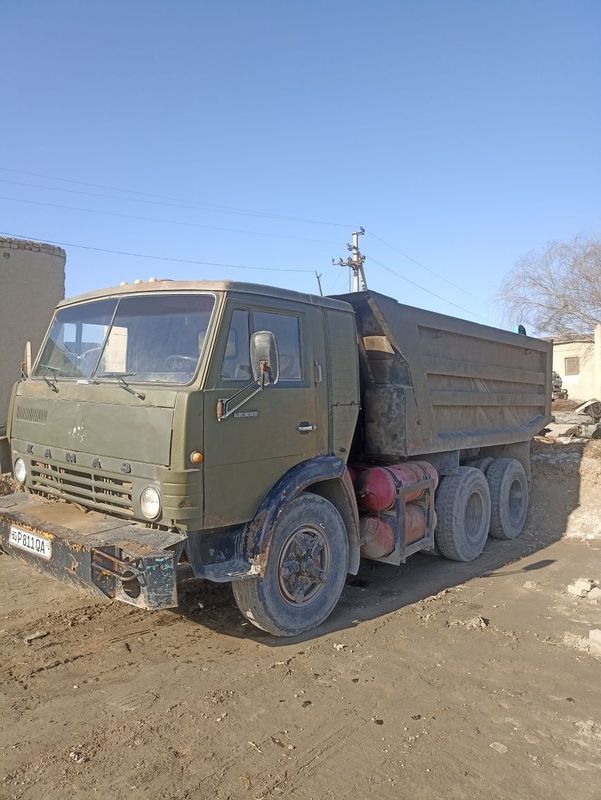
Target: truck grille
82	486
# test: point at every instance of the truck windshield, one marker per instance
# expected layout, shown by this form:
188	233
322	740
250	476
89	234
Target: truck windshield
150	339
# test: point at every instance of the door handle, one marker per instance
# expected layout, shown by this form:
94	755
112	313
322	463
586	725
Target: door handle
306	427
318	374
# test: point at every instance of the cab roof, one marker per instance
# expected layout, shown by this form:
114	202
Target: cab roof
145	287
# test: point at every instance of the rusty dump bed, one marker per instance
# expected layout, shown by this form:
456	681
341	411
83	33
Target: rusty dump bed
433	383
99	553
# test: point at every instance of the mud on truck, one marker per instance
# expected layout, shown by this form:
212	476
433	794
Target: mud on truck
268	437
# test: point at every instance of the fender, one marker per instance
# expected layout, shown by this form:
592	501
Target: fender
314	475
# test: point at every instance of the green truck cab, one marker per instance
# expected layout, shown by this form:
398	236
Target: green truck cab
217	422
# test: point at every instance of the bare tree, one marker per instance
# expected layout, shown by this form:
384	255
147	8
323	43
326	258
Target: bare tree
556	290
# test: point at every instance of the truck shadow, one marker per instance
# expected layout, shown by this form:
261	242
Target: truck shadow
379	589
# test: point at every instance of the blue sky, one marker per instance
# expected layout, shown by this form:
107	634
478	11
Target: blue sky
462	133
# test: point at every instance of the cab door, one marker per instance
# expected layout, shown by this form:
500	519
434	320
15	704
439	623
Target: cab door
246	453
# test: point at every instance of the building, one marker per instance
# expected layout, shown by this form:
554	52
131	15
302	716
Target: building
577	358
32	281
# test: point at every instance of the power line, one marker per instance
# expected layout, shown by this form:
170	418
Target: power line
429	291
155	257
179	200
424	266
195	262
189	206
164	221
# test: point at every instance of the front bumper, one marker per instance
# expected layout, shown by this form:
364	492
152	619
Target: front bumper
102	554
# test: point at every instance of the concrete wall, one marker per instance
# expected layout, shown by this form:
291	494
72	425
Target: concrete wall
587	384
32	281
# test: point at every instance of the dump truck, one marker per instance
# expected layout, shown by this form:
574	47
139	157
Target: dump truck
268	438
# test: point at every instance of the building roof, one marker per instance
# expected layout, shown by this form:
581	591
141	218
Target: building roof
9	243
565	338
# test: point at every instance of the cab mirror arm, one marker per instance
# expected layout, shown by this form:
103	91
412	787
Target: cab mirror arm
265	364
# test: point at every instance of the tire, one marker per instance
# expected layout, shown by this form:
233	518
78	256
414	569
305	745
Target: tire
509	497
284	601
463	509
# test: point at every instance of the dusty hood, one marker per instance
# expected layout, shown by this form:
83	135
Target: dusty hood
131	429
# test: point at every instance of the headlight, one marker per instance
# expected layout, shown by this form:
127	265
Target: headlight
150	502
20	470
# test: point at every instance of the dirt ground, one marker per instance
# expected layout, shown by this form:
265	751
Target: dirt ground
565	405
434	680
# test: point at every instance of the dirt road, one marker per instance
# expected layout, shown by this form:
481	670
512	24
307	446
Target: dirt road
434	680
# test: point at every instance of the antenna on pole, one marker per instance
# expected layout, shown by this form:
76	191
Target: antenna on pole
318	276
355	262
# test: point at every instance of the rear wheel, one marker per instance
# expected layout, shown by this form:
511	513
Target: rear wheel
463	511
305	572
509	497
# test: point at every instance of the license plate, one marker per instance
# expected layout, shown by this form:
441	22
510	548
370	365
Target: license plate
31	542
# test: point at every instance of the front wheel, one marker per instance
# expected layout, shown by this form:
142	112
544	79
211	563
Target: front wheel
305	572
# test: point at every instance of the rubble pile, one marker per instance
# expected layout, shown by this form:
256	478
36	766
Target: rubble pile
584	422
585	587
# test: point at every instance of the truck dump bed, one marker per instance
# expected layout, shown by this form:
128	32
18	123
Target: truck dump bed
432	383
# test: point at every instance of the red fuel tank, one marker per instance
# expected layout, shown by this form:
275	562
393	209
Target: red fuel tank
376	486
377	536
377	533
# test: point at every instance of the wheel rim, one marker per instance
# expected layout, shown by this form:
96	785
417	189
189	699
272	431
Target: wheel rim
516	501
473	517
303	565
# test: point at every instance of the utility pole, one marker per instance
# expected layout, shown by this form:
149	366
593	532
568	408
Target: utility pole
355	262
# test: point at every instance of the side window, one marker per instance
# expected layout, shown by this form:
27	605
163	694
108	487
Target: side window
572	365
286	329
236	361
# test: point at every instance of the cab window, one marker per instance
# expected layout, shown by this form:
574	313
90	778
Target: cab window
285	328
236	362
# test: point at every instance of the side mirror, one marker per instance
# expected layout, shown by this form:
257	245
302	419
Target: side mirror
265	365
264	358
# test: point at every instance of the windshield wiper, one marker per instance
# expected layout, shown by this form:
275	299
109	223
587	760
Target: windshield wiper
51	383
115	374
121	376
58	370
